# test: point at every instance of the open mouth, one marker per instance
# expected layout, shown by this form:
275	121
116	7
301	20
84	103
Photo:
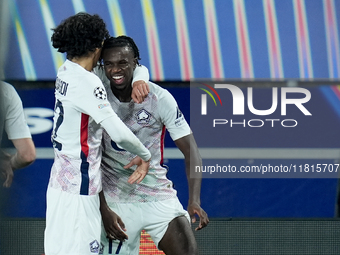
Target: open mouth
118	79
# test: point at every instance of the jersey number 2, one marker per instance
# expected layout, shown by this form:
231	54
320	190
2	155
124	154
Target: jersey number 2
58	106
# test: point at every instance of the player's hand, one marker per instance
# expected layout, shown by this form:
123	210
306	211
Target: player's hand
195	209
141	170
140	90
114	226
6	169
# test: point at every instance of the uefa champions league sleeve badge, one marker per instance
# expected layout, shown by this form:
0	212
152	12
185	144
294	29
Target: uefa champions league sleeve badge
100	93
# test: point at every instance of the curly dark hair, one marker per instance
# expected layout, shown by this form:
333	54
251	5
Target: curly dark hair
79	34
122	41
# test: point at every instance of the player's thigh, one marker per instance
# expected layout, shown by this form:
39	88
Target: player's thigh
179	238
159	215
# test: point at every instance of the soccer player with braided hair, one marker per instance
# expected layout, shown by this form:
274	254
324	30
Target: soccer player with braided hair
151	205
82	111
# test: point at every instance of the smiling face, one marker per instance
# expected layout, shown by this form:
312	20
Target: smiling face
119	63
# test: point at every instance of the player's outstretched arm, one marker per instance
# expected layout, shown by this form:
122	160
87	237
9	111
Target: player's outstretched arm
188	147
124	137
113	224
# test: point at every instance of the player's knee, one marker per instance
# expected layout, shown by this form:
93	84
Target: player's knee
183	248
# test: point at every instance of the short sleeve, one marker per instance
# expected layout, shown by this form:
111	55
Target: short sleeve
172	117
15	122
92	100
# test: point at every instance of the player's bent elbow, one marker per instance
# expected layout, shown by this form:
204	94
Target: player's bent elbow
29	157
26	152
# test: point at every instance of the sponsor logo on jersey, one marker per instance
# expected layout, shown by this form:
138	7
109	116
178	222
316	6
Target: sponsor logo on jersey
100	93
179	118
94	246
101	106
143	117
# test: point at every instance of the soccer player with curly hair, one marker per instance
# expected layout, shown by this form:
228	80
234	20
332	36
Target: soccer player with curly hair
82	111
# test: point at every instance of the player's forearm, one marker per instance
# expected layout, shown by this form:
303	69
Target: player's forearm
192	158
18	162
141	73
135	147
194	181
195	192
124	137
25	154
103	204
195	178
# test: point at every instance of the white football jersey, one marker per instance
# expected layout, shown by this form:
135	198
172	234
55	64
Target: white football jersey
148	121
81	103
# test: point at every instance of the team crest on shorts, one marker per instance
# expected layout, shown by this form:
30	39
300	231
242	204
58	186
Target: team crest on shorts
101	250
100	93
143	117
94	246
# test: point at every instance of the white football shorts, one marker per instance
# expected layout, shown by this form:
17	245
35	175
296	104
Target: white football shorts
73	224
153	217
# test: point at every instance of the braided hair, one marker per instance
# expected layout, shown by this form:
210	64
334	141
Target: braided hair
122	41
